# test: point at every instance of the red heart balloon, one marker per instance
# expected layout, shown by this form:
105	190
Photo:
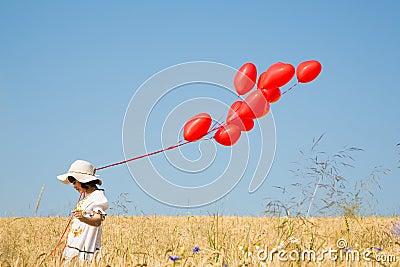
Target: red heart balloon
245	78
243	124
271	95
254	106
227	135
277	75
197	127
308	71
233	111
233	117
248	125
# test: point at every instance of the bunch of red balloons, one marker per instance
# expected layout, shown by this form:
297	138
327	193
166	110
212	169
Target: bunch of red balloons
242	114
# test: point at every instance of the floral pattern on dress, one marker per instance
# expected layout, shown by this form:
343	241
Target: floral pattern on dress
79	207
76	232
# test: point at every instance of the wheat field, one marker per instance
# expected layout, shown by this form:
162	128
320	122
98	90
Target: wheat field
210	241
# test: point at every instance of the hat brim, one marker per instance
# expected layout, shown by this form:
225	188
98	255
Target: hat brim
82	178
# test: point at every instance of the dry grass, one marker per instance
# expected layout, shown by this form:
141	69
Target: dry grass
230	241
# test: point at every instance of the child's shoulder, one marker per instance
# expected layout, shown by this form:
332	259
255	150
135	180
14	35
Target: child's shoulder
99	195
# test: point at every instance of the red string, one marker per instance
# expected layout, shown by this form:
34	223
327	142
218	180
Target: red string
143	156
65	230
180	143
217	124
290	88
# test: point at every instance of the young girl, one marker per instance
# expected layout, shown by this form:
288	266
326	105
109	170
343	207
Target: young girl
84	239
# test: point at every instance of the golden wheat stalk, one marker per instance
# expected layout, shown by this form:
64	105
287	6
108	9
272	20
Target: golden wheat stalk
38	201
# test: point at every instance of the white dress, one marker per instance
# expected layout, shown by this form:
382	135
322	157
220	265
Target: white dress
84	240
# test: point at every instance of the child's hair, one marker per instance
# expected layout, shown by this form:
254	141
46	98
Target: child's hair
93	183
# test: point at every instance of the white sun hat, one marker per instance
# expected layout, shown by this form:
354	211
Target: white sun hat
82	171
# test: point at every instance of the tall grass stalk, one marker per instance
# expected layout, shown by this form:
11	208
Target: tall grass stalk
313	196
38	201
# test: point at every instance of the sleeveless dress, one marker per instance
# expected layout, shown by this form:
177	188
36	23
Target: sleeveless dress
85	240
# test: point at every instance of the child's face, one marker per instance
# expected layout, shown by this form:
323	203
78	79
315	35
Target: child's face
77	185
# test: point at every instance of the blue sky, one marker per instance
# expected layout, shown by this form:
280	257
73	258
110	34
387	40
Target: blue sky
68	71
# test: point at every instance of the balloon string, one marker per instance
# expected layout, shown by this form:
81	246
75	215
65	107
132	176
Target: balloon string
290	88
65	230
217	124
180	143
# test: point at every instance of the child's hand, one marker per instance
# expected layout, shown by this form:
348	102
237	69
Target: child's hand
77	214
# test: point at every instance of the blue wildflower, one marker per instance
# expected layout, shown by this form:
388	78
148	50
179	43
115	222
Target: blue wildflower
196	249
346	249
174	258
378	249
